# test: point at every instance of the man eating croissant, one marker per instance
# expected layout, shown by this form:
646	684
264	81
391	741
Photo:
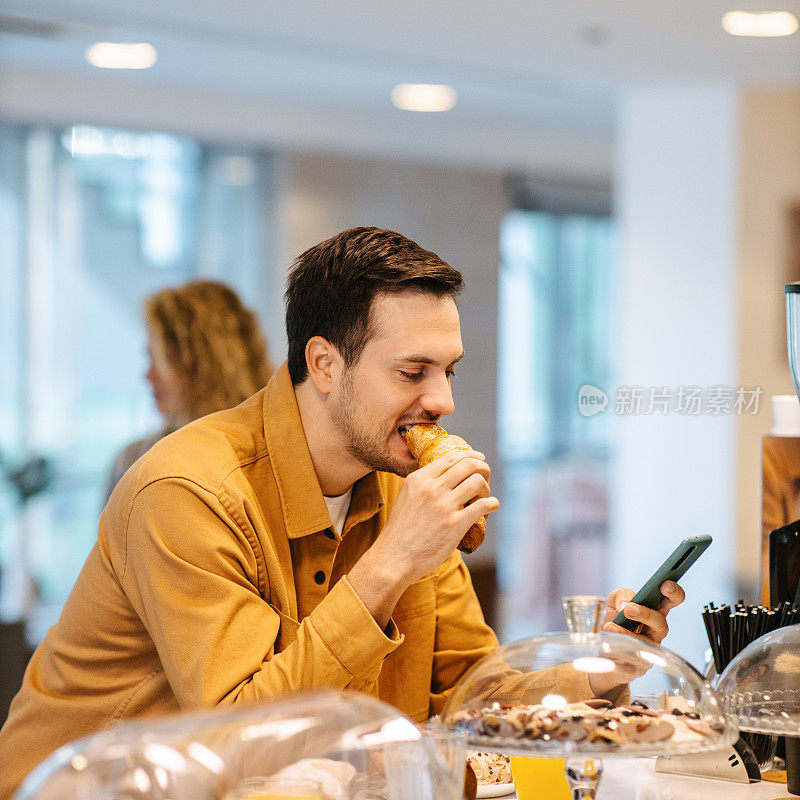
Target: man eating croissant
294	541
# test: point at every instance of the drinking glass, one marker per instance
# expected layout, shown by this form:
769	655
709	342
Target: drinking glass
452	745
585	613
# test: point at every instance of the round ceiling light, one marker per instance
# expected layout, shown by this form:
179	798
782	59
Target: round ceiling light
116	55
424	96
767	23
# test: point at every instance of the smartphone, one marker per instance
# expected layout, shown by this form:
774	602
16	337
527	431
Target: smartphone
674	568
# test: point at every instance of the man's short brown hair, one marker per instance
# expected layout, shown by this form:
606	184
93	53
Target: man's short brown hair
331	287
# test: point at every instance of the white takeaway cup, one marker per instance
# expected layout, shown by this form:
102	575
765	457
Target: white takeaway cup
785	415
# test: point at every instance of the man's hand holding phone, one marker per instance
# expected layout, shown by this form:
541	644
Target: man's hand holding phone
659	593
651	623
644	614
651	626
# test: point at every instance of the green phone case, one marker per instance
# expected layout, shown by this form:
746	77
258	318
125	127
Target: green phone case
674	568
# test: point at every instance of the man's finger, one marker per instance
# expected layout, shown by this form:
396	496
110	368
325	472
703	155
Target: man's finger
612	627
438	467
639	667
477	509
615	600
654	621
462	469
619	596
472	487
673	596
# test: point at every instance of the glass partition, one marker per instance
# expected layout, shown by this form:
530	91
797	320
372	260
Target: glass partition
93	220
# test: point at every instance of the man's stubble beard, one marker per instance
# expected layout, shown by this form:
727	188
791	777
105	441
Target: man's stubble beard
369	446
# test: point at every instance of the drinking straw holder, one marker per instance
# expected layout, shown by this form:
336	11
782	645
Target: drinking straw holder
730	630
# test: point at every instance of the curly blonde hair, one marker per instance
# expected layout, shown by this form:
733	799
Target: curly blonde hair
213	340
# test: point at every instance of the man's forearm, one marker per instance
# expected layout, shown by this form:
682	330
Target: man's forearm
379	582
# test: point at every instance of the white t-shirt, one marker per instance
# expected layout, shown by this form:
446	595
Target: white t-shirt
338	507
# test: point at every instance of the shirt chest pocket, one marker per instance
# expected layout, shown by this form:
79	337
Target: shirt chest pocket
405	678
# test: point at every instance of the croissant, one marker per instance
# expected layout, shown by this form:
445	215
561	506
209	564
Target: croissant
429	442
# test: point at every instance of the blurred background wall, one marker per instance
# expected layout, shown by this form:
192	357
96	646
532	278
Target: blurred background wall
620	187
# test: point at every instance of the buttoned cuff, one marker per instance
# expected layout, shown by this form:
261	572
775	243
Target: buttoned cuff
348	629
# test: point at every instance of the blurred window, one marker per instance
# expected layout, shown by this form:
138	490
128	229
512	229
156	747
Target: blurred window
555	335
93	220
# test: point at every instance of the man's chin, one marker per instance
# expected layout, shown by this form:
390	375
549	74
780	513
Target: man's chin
392	456
403	468
403	465
396	468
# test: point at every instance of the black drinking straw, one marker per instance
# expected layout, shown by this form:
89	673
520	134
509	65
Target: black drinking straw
713	639
762	622
725	630
755	619
784	612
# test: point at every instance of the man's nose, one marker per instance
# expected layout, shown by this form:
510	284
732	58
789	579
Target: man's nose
438	397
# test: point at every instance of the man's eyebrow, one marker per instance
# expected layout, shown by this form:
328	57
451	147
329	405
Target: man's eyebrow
420	359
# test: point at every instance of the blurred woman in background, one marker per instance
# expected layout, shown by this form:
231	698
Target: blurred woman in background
207	353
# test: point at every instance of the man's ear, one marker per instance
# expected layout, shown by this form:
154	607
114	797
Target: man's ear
323	362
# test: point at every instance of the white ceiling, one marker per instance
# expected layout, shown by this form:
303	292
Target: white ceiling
318	72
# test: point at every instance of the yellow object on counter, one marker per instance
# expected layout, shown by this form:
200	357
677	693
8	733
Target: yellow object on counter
540	779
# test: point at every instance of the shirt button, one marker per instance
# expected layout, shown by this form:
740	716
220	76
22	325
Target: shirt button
330	534
319	577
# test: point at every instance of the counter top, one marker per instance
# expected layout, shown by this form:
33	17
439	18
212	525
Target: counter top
636	779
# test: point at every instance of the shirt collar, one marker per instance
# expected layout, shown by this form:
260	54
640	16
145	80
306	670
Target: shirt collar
302	504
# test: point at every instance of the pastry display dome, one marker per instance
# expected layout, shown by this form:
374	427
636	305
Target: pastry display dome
536	697
346	745
761	685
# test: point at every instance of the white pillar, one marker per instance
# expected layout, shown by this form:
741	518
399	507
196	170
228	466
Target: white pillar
675	475
769	180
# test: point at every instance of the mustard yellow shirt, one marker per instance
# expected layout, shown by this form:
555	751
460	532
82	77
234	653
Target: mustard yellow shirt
217	579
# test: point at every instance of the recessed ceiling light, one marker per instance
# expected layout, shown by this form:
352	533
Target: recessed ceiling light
767	23
115	55
424	96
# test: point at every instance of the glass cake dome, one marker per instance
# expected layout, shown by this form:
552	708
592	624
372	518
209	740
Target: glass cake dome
761	686
537	697
338	745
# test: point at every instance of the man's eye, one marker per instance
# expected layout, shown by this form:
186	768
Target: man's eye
410	376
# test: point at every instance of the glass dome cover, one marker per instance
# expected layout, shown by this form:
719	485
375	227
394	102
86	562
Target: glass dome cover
527	699
761	685
353	746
